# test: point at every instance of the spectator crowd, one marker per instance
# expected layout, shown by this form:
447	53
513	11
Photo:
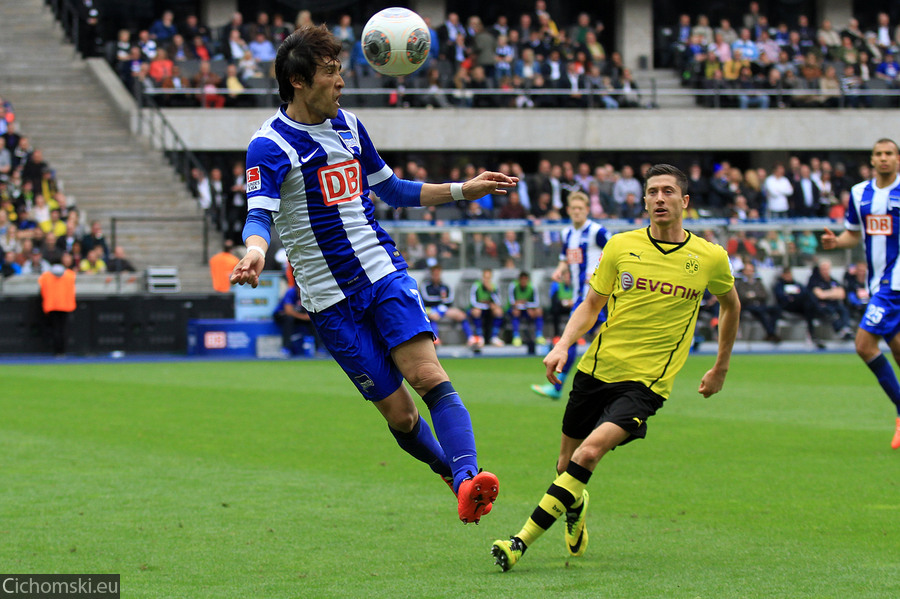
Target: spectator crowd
753	213
757	63
39	225
532	59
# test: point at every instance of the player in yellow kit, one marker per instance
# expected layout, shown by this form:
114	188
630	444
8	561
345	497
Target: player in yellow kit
653	280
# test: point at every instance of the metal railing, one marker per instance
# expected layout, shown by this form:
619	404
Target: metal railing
163	136
540	243
592	97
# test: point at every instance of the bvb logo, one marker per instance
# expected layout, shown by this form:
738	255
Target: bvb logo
692	266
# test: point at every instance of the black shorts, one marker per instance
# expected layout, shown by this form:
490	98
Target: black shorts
592	402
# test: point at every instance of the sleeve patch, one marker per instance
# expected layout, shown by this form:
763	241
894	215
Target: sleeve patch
254	183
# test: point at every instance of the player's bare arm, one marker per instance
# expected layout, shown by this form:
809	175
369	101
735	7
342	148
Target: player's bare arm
251	265
488	182
729	319
559	270
581	321
847	239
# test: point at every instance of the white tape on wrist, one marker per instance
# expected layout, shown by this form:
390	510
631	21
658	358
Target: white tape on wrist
256	248
456	192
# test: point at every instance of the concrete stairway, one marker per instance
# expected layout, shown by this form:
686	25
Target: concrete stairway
665	80
108	171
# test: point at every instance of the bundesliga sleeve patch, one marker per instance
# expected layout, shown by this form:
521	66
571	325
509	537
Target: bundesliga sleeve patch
253	181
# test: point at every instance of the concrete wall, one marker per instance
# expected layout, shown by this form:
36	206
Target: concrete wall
555	130
217	13
838	11
634	24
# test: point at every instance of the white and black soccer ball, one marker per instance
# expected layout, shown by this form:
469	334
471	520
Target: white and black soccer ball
396	41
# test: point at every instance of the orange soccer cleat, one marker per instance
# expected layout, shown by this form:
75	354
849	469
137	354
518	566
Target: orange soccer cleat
476	496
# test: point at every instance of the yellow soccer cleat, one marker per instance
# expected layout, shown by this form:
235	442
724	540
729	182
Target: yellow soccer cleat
576	530
507	553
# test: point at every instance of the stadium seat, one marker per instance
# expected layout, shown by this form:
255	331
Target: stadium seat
877	100
261	83
189	68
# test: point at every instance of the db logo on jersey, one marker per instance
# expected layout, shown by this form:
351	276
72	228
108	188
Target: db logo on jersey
340	182
574	255
253	181
879	224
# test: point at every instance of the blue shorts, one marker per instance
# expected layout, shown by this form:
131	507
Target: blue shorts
361	330
882	316
439	309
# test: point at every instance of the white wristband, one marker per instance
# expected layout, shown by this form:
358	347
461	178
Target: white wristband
456	192
256	248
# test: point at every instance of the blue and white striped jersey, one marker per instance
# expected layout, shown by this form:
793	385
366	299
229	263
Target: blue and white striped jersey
316	181
581	250
876	213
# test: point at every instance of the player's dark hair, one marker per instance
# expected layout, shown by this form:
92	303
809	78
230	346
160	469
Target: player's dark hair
300	54
667	169
885	140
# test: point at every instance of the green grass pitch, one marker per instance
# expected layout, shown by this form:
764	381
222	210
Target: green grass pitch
274	479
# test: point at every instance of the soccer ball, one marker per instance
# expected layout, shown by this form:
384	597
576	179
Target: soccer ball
396	41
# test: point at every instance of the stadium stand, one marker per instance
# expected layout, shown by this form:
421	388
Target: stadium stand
91	149
93	173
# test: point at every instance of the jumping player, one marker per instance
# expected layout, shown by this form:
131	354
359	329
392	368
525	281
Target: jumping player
312	166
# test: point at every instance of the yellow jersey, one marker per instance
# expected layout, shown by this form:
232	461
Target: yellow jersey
654	290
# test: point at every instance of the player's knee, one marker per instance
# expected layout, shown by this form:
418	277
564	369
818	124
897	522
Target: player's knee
426	377
589	455
867	351
403	420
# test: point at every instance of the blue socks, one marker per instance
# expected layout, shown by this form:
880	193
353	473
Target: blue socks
421	444
477	326
495	330
884	372
566	368
454	430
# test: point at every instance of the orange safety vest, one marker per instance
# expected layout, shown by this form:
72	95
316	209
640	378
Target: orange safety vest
58	293
220	267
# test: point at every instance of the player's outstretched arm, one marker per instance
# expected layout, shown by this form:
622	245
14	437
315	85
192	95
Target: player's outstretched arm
729	319
488	182
581	321
252	264
846	239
